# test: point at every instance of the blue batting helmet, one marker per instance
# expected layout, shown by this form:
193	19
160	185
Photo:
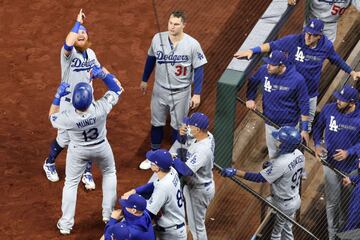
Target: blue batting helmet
289	137
82	96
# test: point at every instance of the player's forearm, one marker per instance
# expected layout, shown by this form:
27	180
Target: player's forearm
263	48
198	79
71	37
149	67
338	61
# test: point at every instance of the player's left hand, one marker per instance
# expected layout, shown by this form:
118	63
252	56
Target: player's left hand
97	72
62	90
117	214
355	75
127	194
340	154
228	172
195	101
346	181
305	137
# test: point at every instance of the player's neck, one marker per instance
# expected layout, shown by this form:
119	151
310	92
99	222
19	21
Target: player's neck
176	38
161	174
201	136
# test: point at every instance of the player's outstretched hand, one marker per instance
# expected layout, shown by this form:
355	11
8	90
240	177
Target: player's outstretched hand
127	194
143	87
195	101
355	75
305	137
97	72
62	90
340	154
117	214
251	104
80	17
243	54
228	172
346	181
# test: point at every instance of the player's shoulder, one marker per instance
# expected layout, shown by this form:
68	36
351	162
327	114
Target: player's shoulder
160	35
90	51
296	76
190	39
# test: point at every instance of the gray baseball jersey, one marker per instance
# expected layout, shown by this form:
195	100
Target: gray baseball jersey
200	159
88	141
285	174
178	61
88	128
329	11
167	199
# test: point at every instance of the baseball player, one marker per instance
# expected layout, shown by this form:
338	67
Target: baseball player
340	124
166	203
307	51
285	99
76	59
85	123
136	222
329	11
179	61
284	175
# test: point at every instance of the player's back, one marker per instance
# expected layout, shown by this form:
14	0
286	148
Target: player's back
172	210
292	165
328	11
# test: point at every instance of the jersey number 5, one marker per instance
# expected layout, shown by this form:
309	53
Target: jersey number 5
180	70
337	10
296	178
91	134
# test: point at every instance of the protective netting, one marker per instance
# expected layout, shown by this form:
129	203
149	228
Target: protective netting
221	27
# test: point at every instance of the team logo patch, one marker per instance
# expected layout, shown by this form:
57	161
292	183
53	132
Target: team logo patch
53	118
200	56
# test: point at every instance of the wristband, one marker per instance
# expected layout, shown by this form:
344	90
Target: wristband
56	101
256	50
76	27
305	126
67	47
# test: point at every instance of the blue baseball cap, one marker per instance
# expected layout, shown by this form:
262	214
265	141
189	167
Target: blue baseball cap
347	94
197	119
161	157
134	201
121	231
315	26
275	58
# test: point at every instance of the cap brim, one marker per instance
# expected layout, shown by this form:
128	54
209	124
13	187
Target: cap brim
124	203
311	31
269	61
338	96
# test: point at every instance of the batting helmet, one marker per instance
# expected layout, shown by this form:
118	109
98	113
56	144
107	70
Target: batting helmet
161	157
289	138
82	96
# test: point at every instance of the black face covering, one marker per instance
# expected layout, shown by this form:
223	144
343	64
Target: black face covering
345	109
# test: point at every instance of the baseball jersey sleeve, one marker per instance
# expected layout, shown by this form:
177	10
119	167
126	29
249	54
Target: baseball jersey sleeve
157	199
319	126
198	55
254	82
151	49
335	58
97	63
303	97
107	102
59	120
273	172
197	160
283	44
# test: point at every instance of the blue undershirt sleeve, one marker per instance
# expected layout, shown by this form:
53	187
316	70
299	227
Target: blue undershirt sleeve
338	61
145	190
198	79
254	177
182	168
149	67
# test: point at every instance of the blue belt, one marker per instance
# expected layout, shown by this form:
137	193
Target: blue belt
164	229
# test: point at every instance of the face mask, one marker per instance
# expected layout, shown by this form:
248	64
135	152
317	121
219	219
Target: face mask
127	215
188	132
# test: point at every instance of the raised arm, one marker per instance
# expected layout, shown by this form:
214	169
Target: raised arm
72	35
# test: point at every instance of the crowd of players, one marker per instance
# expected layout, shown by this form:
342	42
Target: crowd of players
182	186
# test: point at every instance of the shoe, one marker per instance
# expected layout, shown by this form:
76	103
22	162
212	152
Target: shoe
50	171
145	165
88	180
62	230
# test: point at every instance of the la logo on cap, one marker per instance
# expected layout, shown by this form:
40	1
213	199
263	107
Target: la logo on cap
270	55
342	92
312	25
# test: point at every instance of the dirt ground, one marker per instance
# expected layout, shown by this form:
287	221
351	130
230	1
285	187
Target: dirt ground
32	35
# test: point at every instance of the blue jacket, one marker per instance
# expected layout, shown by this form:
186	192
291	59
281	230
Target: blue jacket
140	227
342	131
284	97
309	61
